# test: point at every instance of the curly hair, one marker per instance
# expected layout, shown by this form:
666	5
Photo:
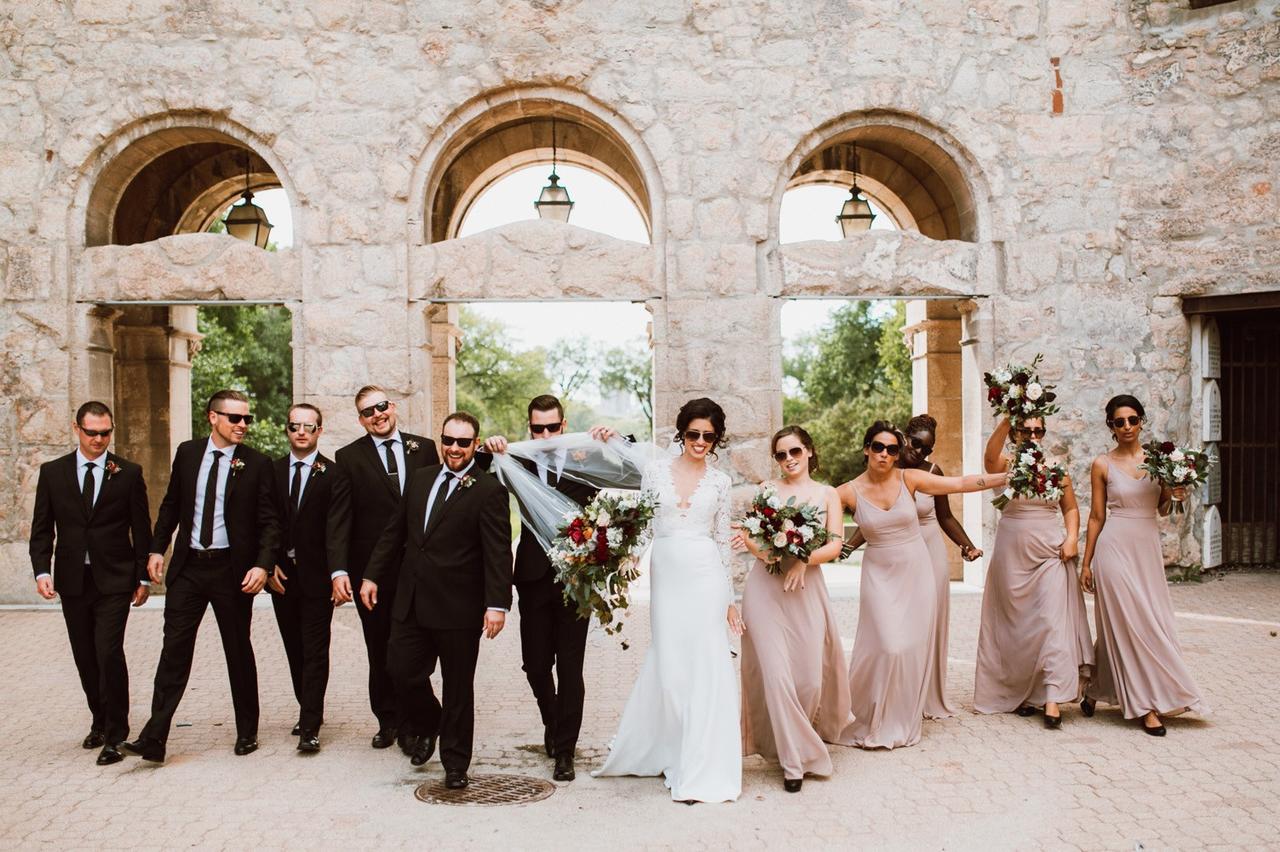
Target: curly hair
702	409
922	423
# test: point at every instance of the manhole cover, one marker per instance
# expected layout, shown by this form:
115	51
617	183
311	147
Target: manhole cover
487	790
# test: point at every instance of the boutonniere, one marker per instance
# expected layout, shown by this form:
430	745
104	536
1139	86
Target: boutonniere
319	468
579	455
112	468
237	465
466	481
411	446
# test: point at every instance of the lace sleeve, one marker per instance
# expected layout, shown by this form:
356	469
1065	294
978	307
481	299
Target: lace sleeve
720	529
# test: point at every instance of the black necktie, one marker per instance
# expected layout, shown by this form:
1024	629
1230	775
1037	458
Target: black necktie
437	502
393	469
210	500
295	487
552	479
87	491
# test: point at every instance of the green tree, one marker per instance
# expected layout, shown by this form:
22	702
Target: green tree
629	370
494	381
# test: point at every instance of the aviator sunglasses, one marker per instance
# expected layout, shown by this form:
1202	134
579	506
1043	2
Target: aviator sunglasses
794	452
694	435
449	441
539	428
1119	422
891	449
309	428
235	419
368	410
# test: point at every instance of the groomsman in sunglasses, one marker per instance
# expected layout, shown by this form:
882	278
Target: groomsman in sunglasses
95	504
314	502
378	465
449	546
221	502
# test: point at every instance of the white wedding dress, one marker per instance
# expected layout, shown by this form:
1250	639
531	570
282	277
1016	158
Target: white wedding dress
681	720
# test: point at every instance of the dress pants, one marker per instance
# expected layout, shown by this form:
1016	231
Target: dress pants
552	635
95	626
205	582
304	623
412	655
376	626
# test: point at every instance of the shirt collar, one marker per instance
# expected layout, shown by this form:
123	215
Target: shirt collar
81	460
457	474
227	452
308	460
394	436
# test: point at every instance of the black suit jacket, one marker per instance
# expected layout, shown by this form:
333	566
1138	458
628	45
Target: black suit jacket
452	571
374	497
116	534
249	508
319	533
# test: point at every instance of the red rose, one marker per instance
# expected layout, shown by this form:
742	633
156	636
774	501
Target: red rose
768	512
993	394
1167	447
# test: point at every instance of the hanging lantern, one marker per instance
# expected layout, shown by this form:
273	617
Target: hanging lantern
855	215
247	221
554	202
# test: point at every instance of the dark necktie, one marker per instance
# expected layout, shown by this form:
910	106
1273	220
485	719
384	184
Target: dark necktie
210	500
393	469
552	479
295	487
87	491
437	502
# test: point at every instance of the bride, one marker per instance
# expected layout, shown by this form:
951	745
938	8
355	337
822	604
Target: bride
681	720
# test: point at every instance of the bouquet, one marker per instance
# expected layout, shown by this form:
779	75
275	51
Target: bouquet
787	529
1032	475
595	553
1018	392
1175	466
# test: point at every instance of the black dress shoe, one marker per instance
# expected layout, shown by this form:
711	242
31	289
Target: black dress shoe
1052	722
384	738
95	739
792	785
549	740
455	780
308	742
1026	710
109	755
1088	706
297	730
564	768
423	750
407	743
246	745
145	748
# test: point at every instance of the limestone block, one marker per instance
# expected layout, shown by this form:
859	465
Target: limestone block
887	263
189	266
26	272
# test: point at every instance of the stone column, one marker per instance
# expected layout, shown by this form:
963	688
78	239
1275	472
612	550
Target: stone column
977	353
99	358
184	343
443	334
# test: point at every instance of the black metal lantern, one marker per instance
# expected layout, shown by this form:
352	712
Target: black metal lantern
554	202
248	221
856	215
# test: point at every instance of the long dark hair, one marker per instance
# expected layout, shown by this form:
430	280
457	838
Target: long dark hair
878	427
1124	400
702	409
801	433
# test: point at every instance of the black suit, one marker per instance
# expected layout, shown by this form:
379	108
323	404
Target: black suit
114	534
197	578
316	533
449	572
375	497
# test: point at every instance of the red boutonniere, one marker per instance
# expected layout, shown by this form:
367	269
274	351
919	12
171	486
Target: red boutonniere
411	446
319	468
467	481
112	468
237	465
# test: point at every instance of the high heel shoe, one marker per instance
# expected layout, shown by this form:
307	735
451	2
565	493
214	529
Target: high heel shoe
1053	722
792	785
1087	706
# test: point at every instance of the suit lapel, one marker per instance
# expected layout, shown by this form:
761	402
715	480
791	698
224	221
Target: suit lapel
371	451
102	486
313	480
231	481
77	484
449	504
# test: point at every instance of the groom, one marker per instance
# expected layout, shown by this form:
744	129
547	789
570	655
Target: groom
447	549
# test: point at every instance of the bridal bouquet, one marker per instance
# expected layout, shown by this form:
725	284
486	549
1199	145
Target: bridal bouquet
596	551
1018	392
784	530
1032	475
1175	466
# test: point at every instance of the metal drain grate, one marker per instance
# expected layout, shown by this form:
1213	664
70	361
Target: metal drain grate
487	790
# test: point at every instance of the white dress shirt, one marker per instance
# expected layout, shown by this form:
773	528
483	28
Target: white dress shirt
547	460
307	463
220	539
397	447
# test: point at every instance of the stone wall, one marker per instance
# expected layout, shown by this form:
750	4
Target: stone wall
1119	155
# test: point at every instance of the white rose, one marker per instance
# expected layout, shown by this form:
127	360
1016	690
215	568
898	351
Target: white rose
752	524
1180	473
1034	391
1027	459
788	525
603	519
806	533
1176	456
1003	376
1015	391
780	540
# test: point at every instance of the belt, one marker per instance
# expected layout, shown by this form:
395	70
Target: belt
211	554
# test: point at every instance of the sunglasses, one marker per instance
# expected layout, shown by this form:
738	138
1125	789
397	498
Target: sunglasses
96	433
1038	432
794	452
235	419
891	449
1119	422
922	449
539	428
309	428
449	441
694	435
368	410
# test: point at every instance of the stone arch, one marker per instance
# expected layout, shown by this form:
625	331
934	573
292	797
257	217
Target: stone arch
917	173
499	132
171	174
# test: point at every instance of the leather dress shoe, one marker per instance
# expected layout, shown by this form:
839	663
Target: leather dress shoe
297	730
95	739
309	742
384	738
792	785
1088	706
456	780
145	748
246	745
110	754
407	742
549	740
422	752
564	768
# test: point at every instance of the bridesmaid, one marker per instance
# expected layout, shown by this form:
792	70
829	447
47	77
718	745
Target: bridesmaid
935	518
795	693
1140	665
1034	648
889	668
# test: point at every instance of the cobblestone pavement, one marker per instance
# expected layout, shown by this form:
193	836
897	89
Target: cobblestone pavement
997	782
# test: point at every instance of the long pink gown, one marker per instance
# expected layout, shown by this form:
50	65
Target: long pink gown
1033	643
1140	665
897	617
795	691
935	702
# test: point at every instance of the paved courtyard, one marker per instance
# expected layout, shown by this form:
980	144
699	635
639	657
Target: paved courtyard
973	782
